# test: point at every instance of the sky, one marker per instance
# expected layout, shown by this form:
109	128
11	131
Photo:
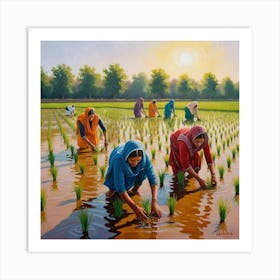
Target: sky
176	57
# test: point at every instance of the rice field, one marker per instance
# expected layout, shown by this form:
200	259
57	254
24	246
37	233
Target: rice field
195	215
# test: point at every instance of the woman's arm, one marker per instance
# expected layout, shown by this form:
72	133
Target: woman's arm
155	208
100	123
209	161
140	213
84	137
195	175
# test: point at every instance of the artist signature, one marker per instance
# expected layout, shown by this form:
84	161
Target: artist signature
224	233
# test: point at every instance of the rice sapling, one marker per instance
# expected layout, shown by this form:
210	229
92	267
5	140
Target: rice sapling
43	199
82	168
146	145
218	150
210	186
171	202
78	190
102	169
223	209
233	152
166	160
236	185
181	178
76	157
118	206
51	157
213	156
85	220
167	150
72	149
146	202
153	151
221	170
161	175
95	159
228	162
54	171
237	148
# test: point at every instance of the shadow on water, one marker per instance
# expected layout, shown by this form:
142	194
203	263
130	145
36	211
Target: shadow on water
70	228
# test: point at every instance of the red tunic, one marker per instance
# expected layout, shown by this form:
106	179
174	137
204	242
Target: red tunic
183	154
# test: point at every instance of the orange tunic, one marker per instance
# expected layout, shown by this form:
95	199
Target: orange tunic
91	132
152	110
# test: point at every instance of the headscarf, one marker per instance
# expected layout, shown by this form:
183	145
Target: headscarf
189	135
193	108
91	132
83	119
121	153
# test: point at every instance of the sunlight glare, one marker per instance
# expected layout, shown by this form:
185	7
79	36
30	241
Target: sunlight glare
186	58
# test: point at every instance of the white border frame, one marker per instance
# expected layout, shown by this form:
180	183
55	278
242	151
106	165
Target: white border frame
243	35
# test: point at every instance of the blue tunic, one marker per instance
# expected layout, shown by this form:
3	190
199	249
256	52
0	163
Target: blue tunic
169	109
120	176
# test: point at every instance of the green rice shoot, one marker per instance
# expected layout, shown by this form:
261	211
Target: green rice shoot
146	202
221	170
171	202
223	209
118	207
54	171
44	197
236	184
78	190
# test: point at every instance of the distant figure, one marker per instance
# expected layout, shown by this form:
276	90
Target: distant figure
139	108
129	165
185	143
191	112
87	130
153	109
70	110
169	110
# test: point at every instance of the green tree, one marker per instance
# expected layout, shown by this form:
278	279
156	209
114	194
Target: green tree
115	81
228	88
138	87
209	85
185	88
159	83
173	88
88	81
46	88
236	87
62	82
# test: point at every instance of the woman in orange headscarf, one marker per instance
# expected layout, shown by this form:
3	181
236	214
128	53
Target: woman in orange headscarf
153	109
87	130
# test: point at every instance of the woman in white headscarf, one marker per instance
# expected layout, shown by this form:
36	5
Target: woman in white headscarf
191	112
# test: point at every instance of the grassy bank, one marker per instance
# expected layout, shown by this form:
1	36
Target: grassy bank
223	106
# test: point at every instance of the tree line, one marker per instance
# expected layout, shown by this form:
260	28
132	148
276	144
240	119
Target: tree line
62	84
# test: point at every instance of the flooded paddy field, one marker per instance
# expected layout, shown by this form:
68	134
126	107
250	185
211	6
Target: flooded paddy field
196	214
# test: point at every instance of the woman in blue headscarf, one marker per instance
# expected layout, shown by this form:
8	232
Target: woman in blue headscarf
169	110
129	165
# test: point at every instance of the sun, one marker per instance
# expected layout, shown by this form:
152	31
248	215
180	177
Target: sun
186	58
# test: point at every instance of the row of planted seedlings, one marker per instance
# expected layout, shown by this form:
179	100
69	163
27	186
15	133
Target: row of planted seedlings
131	133
228	130
83	212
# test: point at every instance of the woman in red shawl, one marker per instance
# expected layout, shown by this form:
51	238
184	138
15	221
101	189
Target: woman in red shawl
184	146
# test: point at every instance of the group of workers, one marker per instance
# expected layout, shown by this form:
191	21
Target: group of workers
129	164
191	110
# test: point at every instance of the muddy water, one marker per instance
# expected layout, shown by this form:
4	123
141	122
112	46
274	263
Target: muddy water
196	215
